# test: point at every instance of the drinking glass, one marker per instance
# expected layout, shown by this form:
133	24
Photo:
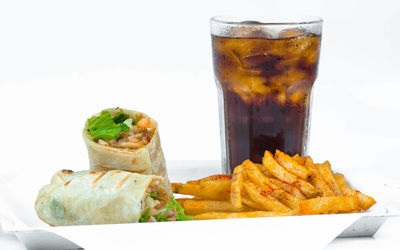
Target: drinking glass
264	69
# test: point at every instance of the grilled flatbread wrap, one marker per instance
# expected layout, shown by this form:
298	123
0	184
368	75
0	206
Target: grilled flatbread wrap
100	197
137	150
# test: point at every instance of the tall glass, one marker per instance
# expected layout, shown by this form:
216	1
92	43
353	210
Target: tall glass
264	70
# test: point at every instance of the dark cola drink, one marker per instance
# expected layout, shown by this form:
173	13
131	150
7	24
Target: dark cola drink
265	85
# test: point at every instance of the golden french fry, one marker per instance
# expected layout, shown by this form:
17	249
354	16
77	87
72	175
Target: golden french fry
327	174
250	203
266	172
291	165
212	191
299	159
333	204
277	170
256	176
306	188
290	201
216	215
212	179
182	201
194	207
316	179
264	199
365	201
236	187
288	188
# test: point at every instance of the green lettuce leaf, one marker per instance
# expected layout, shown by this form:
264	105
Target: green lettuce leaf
180	214
124	127
154	195
103	127
120	117
134	121
106	127
145	216
160	217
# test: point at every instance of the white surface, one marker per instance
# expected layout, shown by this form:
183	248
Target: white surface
77	57
386	238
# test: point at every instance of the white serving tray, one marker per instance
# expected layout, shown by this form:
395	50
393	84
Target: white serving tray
17	215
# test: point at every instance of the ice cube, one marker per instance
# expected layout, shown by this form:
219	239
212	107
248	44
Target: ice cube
250	31
289	33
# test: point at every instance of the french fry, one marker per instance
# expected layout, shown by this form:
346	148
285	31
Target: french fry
306	188
212	179
250	203
316	179
299	159
256	176
182	201
277	170
290	201
288	188
282	185
194	207
266	172
292	166
216	215
327	174
218	190
334	204
236	187
264	199
365	201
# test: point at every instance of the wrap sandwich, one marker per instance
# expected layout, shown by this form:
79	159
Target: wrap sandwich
125	140
105	197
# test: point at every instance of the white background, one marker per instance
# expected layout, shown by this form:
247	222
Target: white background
62	61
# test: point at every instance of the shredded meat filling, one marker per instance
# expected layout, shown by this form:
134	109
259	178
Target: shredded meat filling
156	204
138	135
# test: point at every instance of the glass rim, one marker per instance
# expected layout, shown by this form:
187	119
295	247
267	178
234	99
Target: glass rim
241	20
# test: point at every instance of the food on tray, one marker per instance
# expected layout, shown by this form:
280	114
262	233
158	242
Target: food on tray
99	197
214	187
281	186
332	204
125	140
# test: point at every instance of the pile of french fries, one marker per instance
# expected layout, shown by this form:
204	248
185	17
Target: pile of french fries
282	185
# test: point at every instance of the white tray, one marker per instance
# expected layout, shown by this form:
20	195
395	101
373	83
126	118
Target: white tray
17	216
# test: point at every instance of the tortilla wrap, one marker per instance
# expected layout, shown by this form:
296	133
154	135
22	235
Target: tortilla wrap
89	197
148	159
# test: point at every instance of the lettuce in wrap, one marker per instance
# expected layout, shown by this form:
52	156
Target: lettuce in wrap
125	140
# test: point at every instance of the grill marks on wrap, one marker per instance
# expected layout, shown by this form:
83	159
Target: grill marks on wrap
123	180
100	174
98	178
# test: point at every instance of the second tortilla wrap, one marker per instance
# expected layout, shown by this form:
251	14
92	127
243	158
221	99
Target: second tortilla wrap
148	159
